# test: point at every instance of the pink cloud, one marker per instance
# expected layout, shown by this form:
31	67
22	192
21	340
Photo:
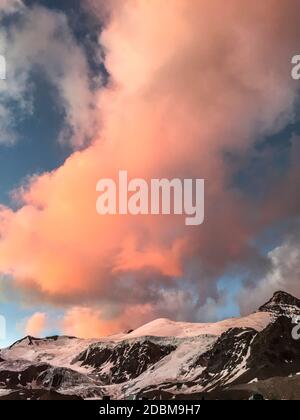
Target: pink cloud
187	83
89	322
36	324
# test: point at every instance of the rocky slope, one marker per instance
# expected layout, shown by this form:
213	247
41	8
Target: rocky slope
227	359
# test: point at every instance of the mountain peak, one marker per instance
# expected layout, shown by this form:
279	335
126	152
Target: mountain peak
28	340
279	302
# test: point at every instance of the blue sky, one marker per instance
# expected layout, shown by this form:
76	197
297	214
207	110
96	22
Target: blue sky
36	151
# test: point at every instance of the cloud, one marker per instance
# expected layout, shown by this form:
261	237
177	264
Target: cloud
103	9
36	324
92	321
283	273
187	84
41	40
11	6
86	323
89	322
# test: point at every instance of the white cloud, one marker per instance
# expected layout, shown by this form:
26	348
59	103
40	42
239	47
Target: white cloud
10	6
284	274
43	40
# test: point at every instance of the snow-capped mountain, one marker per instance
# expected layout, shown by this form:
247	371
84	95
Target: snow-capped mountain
227	359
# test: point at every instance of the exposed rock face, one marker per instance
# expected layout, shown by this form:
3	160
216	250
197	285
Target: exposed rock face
274	352
118	363
282	303
62	378
240	356
10	378
227	358
38	394
243	355
28	340
34	341
222	360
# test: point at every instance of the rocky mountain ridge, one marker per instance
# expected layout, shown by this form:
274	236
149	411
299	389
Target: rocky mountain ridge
161	359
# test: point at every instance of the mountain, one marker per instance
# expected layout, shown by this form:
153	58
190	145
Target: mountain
282	303
231	359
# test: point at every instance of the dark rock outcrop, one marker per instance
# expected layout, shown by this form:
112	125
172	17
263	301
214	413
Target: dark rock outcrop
282	303
38	394
26	377
123	361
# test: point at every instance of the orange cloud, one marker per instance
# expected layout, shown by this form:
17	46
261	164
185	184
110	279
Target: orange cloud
36	324
87	322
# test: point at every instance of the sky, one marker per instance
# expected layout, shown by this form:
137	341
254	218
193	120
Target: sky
171	89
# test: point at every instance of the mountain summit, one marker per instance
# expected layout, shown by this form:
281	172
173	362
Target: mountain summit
282	303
